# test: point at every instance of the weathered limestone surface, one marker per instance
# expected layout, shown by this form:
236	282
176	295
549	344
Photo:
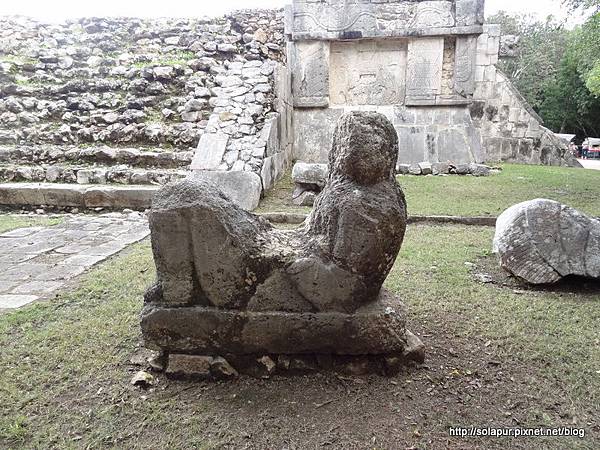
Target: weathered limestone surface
80	196
429	66
243	188
334	19
424	67
217	84
424	71
368	72
441	134
542	241
510	129
230	283
310	68
305	173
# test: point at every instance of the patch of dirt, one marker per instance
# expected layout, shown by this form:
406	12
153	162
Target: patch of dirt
465	382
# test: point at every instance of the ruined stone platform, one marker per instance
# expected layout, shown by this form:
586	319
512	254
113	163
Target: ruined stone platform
77	195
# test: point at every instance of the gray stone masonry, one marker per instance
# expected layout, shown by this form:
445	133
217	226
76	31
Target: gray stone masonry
38	261
427	65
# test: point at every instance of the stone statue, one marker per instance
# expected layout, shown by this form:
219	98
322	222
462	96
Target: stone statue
542	241
229	283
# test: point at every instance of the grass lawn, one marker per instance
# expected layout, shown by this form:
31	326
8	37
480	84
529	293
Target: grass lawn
471	196
497	356
490	196
10	222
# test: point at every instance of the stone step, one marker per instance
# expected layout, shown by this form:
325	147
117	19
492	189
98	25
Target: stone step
52	154
180	135
80	196
88	174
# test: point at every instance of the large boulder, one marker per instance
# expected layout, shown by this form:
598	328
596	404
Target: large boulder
542	241
229	283
306	173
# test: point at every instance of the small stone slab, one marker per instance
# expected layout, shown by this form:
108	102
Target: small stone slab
306	173
243	188
13	301
210	151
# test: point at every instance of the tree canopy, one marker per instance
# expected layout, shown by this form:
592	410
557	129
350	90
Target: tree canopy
558	70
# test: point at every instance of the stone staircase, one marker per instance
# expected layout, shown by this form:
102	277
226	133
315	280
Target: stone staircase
120	104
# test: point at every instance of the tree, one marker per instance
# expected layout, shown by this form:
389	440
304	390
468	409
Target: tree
585	45
557	70
568	104
541	48
582	4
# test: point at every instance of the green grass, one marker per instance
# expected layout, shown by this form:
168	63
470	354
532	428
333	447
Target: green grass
490	196
554	333
279	199
179	58
471	196
64	381
12	222
18	59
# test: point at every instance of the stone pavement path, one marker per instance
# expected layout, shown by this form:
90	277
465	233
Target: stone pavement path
590	163
37	261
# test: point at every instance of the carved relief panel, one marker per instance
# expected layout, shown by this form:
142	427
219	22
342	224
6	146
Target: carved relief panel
368	72
342	19
464	72
424	68
310	73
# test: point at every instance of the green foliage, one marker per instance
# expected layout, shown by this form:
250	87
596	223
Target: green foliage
571	103
593	80
541	49
582	4
585	47
557	70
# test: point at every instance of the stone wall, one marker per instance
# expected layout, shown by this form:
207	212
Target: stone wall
429	66
132	101
510	129
411	69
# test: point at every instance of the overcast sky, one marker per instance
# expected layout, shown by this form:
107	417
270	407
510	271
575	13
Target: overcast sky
59	9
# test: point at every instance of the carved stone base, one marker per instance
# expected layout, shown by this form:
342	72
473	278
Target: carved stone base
373	338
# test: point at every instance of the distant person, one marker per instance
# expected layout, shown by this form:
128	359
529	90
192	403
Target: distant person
584	152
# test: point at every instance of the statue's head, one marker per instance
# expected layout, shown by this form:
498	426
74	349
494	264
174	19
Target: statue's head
365	148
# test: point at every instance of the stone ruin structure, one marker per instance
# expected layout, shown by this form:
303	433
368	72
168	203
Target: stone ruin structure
429	66
234	294
542	241
102	112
